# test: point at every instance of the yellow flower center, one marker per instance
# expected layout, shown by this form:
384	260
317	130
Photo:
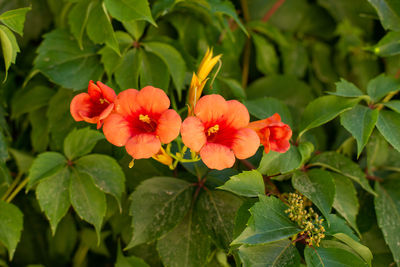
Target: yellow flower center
144	118
213	129
103	100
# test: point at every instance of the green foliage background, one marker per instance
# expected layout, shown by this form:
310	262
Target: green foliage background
330	68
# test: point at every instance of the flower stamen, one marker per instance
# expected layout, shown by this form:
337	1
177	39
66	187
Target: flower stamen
212	130
144	118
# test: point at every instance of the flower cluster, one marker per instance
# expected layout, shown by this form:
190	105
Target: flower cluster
216	129
308	220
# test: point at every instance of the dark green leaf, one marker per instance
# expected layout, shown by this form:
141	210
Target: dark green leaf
40	129
80	142
341	164
346	201
268	223
317	257
389	45
130	261
88	201
11	225
78	18
99	28
235	87
346	89
266	107
15	19
377	151
360	121
389	126
227	8
52	194
247	183
274	163
394	105
127	73
318	186
338	225
217	211
153	71
45	165
295	58
387	207
185	245
105	172
389	13
324	109
29	100
322	63
378	87
126	10
63	62
277	254
158	205
3	148
172	59
24	160
266	58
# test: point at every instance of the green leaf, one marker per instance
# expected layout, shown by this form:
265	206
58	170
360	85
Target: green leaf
346	89
217	211
360	122
26	101
377	150
63	62
15	19
11	225
322	62
274	163
227	8
295	57
338	225
236	88
277	254
266	58
3	148
389	13
127	73
99	28
40	130
158	205
126	10
382	85
78	18
387	208
341	164
266	107
247	183
324	109
346	201
172	59
318	186
52	194
24	160
80	142
153	71
9	46
389	45
88	201
45	165
185	245
130	261
389	126
361	250
268	223
135	28
317	257
394	105
105	172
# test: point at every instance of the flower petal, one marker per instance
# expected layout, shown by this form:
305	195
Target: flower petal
80	103
153	100
209	108
126	103
107	92
280	146
103	115
217	156
117	130
246	143
143	146
237	115
168	126
94	91
193	135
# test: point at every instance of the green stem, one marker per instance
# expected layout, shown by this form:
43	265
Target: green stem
12	186
16	191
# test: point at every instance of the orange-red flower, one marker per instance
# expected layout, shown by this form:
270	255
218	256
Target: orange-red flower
95	105
218	131
273	133
142	121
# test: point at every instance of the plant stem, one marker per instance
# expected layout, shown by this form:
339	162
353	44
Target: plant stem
386	99
272	10
12	186
16	191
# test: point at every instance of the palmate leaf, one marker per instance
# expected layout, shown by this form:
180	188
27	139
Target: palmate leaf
15	19
11	225
247	183
126	10
332	256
